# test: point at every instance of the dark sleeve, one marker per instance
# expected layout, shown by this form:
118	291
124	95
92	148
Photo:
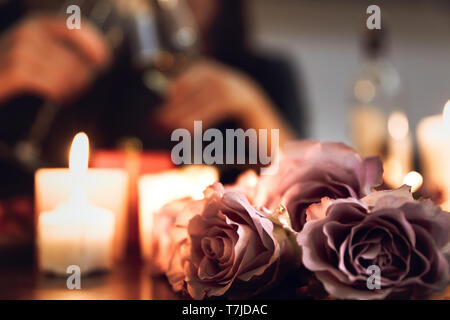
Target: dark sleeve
10	12
281	83
14	112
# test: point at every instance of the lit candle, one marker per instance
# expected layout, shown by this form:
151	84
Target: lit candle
104	188
76	233
156	190
433	138
414	180
400	149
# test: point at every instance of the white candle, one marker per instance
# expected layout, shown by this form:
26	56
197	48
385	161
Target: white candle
433	138
156	190
76	233
80	236
400	150
104	188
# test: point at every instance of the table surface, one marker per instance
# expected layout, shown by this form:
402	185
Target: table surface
129	280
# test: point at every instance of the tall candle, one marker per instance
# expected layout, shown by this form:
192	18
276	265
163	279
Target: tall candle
76	233
156	190
433	138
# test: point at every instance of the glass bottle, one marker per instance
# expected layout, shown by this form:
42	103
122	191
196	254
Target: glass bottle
378	122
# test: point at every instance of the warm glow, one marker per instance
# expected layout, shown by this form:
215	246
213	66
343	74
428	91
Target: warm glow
252	179
159	189
168	4
446	113
414	180
393	172
197	179
79	154
398	126
364	90
446	206
162	188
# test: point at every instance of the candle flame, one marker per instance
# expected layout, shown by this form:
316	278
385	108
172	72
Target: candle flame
414	180
79	154
398	125
446	113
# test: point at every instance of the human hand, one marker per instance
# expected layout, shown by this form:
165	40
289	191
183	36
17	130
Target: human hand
211	92
41	55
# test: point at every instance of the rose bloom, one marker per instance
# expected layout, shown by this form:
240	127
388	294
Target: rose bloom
310	170
405	238
170	222
169	228
231	249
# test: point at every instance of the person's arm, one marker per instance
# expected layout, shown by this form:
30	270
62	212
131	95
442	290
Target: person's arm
41	56
212	92
264	115
7	88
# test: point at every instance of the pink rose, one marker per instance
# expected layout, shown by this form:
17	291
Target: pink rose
169	228
310	170
231	249
406	239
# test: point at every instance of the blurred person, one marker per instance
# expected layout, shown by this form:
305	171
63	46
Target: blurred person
41	60
41	56
258	91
